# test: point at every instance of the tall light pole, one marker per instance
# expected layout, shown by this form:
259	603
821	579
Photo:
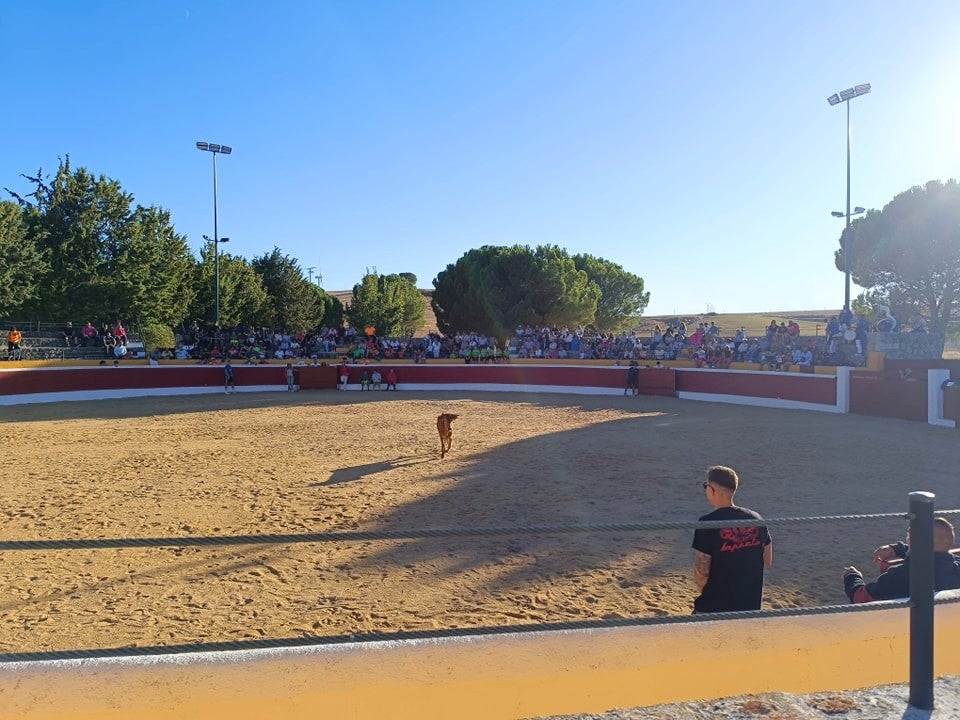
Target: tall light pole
216	269
222	150
845	96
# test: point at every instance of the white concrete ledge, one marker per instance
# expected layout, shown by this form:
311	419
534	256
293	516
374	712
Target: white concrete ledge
758	401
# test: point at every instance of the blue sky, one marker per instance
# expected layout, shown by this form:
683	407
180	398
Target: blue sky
690	142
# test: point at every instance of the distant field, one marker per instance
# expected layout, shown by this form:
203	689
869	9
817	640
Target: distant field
811	322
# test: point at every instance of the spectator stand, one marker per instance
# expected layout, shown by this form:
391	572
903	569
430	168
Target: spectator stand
50	341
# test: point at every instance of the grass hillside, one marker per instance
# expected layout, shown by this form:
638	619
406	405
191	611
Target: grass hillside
811	322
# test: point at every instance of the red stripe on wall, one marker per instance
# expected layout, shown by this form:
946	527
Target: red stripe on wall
108	377
873	394
781	386
804	388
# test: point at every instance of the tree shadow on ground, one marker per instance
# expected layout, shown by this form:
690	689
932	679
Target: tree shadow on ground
358	472
650	467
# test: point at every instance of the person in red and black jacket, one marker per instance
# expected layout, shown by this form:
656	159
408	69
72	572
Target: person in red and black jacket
894	562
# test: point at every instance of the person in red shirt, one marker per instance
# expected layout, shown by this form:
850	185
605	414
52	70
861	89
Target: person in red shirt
391	379
120	333
344	374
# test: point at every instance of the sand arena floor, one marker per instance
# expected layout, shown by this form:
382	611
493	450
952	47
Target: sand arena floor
328	461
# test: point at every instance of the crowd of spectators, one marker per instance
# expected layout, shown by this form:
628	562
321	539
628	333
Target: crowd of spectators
112	338
469	347
253	345
780	347
704	346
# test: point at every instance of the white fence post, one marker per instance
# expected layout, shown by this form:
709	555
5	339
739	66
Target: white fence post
935	380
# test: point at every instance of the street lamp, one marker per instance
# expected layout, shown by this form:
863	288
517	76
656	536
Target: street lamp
215	150
845	96
216	269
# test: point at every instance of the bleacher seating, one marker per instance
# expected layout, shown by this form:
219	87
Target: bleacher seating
48	345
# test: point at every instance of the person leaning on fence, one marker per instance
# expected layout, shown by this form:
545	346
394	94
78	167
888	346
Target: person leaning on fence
729	562
894	563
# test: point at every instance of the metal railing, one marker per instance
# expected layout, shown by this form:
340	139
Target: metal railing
920	603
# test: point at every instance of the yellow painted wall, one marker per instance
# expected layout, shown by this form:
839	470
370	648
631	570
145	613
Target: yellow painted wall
502	676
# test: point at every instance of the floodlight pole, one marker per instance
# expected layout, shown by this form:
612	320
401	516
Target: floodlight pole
846	254
845	97
214	149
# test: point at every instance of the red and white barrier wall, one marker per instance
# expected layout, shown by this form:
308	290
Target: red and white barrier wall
865	392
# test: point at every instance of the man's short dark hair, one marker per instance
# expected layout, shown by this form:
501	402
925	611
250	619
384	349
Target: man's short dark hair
722	476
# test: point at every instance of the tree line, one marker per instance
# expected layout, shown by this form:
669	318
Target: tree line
77	247
907	255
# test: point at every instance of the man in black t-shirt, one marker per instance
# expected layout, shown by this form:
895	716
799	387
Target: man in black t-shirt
729	562
894	562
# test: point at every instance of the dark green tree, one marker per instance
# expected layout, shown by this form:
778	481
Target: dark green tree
154	276
391	303
293	302
458	298
493	289
242	297
106	259
910	253
22	265
622	298
331	307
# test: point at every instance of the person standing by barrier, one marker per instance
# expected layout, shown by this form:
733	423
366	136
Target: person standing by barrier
344	374
633	379
729	562
288	373
894	563
391	379
229	385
